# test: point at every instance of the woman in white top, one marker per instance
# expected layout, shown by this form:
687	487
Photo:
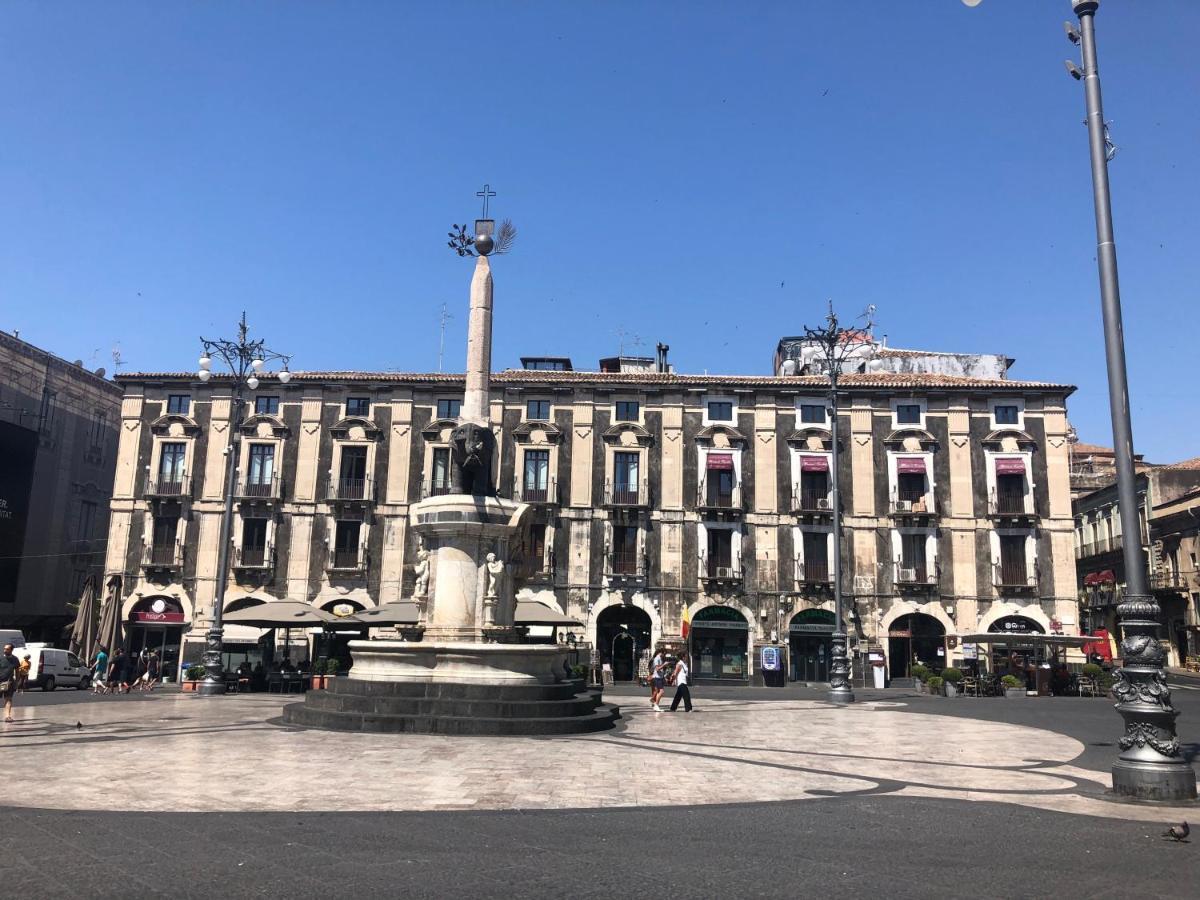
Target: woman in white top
681	687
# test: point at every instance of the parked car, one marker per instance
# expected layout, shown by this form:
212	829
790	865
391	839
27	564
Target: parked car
50	668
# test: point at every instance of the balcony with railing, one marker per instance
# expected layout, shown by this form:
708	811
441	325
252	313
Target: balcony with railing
811	502
626	494
1011	506
165	556
169	487
254	557
435	488
919	507
626	563
1014	576
258	488
544	494
1168	580
915	576
349	560
813	572
713	497
719	571
352	490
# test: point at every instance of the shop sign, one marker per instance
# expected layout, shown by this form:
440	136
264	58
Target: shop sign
770	659
169	618
810	628
729	626
343	609
721	462
970	651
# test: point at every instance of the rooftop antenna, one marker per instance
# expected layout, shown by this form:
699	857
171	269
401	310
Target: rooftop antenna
117	359
625	336
442	339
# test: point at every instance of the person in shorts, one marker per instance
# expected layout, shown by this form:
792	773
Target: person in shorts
100	672
153	671
658	680
9	665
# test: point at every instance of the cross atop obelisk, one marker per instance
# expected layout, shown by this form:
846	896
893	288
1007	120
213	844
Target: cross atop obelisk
485	194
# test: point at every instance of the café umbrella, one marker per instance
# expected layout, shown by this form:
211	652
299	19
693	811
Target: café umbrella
289	614
83	632
108	635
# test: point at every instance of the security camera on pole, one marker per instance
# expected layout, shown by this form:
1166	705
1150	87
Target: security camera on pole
245	360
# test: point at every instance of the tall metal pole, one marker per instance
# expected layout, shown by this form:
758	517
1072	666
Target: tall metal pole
839	663
1150	766
214	664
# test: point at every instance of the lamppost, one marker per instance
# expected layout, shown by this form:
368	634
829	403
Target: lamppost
835	345
245	359
1150	765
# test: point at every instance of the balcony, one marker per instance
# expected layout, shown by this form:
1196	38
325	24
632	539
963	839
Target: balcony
166	557
718	572
1014	577
915	576
1168	581
626	495
717	502
351	490
532	493
169	487
813	572
348	561
254	558
1018	507
258	489
435	489
922	507
807	502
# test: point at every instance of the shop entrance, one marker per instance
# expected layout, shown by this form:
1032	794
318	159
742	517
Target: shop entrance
156	625
916	638
718	640
810	639
335	643
622	636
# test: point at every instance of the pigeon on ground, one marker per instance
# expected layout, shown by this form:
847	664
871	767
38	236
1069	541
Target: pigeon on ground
1178	832
78	724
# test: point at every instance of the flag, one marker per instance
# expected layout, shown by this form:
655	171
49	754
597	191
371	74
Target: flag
687	622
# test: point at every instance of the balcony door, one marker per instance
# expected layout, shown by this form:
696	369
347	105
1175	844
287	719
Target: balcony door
345	545
163	539
814	488
625	550
1010	494
352	477
441	471
536	485
816	556
170	466
625	476
254	541
1013	570
720	550
261	470
913	555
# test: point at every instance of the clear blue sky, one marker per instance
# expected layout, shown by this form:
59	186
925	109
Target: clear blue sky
704	174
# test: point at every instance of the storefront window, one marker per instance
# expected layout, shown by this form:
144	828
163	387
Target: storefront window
719	643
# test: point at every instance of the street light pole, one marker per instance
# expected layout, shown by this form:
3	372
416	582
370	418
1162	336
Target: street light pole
1150	766
245	360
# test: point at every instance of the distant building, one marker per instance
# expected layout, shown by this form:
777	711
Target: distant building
658	498
58	447
1094	467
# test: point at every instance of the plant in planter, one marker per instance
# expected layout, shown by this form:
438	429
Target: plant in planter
1014	687
935	684
920	674
192	675
1091	670
952	677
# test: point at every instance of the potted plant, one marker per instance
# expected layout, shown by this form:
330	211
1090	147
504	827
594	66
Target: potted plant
920	674
1014	687
1091	670
935	684
952	676
192	675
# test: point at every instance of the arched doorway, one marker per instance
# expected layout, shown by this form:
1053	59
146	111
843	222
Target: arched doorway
916	638
156	625
718	642
622	636
810	640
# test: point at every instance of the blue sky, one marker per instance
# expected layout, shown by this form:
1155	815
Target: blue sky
704	174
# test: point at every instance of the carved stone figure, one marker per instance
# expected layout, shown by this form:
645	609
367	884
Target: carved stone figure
495	569
421	568
473	445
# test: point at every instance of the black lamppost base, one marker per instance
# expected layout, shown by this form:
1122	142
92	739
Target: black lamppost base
841	696
211	687
1169	782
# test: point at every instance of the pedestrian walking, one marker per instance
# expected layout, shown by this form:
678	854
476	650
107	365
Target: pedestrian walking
23	670
152	671
9	665
100	672
680	677
117	667
658	680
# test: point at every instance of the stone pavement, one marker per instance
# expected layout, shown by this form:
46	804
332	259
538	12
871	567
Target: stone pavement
181	753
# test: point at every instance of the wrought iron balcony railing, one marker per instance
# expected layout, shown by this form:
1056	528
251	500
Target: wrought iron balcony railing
626	562
813	571
628	494
721	570
709	496
811	502
163	556
353	560
923	505
1014	576
532	492
254	557
915	574
258	489
1011	505
171	487
352	489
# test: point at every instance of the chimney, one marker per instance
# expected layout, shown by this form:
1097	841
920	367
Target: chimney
661	358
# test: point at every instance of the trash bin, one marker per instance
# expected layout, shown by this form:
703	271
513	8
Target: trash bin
879	673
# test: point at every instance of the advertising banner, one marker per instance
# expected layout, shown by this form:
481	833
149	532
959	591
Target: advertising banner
18	450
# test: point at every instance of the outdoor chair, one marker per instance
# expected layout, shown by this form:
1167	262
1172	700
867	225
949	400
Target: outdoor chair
1085	684
969	687
274	682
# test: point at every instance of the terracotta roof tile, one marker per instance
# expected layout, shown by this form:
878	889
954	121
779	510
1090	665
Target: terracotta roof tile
1190	464
882	380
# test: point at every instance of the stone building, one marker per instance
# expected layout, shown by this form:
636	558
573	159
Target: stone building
58	449
1166	530
654	492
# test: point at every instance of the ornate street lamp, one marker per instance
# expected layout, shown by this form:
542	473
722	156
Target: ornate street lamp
245	360
835	345
1150	766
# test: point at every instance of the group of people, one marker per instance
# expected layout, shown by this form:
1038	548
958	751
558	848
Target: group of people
125	672
666	670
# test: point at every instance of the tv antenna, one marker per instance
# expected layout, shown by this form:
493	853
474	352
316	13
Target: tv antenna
117	359
442	338
625	336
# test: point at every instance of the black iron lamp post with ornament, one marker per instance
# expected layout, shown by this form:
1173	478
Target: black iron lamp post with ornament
245	359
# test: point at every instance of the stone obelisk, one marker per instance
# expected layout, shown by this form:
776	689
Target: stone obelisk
479	346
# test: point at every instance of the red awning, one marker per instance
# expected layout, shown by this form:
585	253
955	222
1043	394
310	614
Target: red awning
721	461
1091	578
1106	577
814	464
1009	465
910	465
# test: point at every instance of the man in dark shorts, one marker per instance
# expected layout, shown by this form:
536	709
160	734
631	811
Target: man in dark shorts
658	680
8	679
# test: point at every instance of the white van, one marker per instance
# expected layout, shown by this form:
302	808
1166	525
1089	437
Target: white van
16	638
50	668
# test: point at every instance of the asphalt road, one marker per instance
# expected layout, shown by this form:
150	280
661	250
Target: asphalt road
843	846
